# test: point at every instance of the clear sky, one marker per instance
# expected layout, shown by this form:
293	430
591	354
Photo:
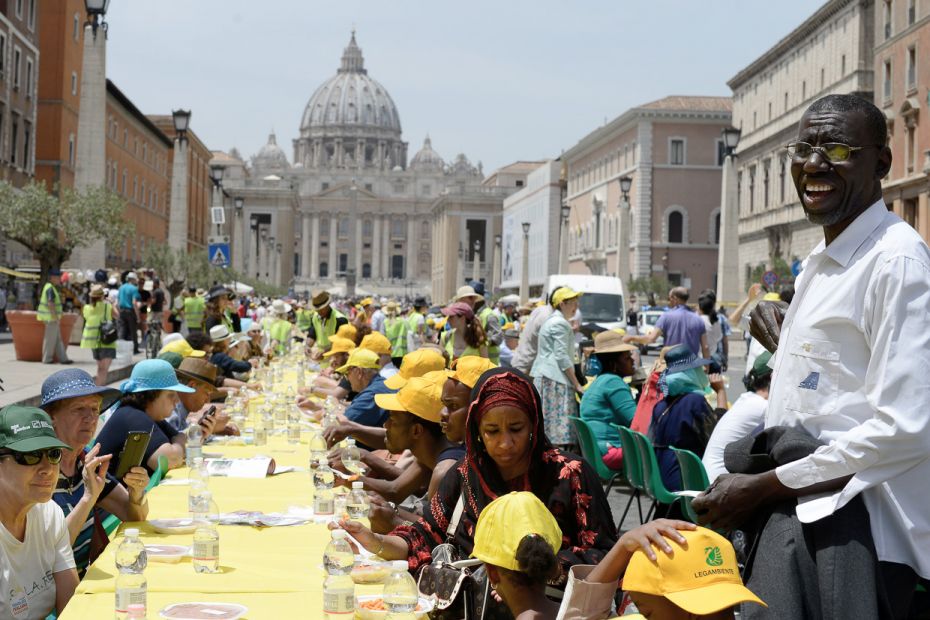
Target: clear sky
499	80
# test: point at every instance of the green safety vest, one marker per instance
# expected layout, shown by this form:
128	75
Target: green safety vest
447	340
304	319
44	313
325	330
494	351
413	320
280	333
395	329
95	316
228	321
194	308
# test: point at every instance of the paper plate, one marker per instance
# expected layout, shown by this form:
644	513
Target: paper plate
166	553
173	526
202	611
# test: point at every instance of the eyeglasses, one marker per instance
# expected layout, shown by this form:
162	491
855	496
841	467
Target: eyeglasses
33	458
833	152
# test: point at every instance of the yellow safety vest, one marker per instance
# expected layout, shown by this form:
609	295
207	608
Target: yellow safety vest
304	319
447	340
325	331
395	329
494	351
44	313
280	334
95	316
194	308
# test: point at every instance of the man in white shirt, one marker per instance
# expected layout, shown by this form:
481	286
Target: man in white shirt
852	365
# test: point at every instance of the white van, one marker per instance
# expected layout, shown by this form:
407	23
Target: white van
603	302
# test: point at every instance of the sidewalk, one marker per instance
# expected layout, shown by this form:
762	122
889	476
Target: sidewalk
22	381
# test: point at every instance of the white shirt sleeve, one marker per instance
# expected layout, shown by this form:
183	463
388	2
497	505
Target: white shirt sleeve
747	413
897	384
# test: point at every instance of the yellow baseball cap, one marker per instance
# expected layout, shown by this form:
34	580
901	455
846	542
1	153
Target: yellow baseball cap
347	331
701	579
182	348
563	294
771	297
360	358
377	342
421	397
339	345
416	364
366	302
505	522
469	368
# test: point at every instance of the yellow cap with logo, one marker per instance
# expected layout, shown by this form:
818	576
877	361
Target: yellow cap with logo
339	345
469	368
505	522
377	342
360	358
420	396
416	364
701	579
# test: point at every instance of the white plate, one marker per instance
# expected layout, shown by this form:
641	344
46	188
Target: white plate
220	611
166	553
173	526
424	604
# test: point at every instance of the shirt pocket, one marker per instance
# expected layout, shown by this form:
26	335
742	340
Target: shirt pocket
815	373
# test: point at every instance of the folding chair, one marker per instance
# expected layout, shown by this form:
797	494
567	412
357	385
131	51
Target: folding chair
632	471
592	454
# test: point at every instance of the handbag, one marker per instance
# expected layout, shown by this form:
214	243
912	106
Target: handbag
108	331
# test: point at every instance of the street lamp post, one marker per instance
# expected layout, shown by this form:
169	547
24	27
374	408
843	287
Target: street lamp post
178	217
238	245
216	175
623	244
566	211
272	263
253	226
263	252
496	263
460	267
525	271
728	250
277	262
90	156
476	264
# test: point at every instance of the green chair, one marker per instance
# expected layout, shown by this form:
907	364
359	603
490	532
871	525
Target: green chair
652	476
632	471
693	478
592	454
111	522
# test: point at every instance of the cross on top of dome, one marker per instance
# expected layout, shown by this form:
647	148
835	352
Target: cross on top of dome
352	60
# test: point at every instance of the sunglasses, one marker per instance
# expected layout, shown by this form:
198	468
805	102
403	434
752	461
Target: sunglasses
831	151
33	458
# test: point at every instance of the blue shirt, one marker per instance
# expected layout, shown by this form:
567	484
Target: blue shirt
678	427
364	410
127	294
113	435
681	326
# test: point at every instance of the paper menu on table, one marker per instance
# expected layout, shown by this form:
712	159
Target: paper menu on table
255	467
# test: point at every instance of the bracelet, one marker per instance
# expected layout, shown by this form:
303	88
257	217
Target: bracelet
381	540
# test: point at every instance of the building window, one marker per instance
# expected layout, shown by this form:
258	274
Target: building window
765	182
135	188
823	77
367	228
324	187
910	148
74	87
752	188
17	60
324	269
786	102
676	227
803	90
77	27
886	80
14	135
843	66
343	263
519	183
342	230
397	228
145	152
125	137
31	18
397	266
27	136
912	68
676	152
911	12
19	9
71	156
887	15
910	212
2	53
426	190
366	270
144	201
715	239
125	181
29	78
781	181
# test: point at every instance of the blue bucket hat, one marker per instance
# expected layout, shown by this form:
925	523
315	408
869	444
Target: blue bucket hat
74	383
680	358
153	375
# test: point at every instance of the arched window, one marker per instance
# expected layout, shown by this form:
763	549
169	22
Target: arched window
676	227
397	266
716	237
324	269
366	270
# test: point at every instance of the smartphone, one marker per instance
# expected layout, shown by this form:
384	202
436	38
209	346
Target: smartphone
133	452
209	413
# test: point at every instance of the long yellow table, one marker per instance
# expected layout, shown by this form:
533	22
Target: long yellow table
272	571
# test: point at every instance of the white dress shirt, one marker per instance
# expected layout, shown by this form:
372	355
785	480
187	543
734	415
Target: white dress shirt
853	369
745	416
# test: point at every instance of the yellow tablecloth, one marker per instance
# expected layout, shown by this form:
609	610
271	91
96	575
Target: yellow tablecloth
272	571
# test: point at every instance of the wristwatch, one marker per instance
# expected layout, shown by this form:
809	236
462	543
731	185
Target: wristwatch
393	507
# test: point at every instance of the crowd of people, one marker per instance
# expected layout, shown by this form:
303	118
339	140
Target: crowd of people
463	412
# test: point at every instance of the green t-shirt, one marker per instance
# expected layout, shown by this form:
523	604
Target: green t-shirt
607	401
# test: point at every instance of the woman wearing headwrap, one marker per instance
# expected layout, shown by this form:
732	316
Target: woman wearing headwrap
506	450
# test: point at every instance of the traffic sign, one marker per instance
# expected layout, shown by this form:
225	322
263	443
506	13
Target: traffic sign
796	267
218	254
770	278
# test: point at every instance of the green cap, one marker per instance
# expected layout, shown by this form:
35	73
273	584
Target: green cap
172	358
24	429
760	367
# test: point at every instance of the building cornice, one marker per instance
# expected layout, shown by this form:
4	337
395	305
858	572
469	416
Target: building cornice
130	107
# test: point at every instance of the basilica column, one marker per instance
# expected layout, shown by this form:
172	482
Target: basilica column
314	272
333	219
305	237
360	154
376	270
358	247
340	154
410	268
386	247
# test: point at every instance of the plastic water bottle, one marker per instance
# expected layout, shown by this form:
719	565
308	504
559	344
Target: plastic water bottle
400	593
323	481
329	417
301	374
317	448
194	447
260	432
206	552
359	504
293	424
131	586
338	589
352	457
197	490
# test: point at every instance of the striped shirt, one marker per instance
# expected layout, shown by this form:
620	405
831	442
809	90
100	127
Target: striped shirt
68	492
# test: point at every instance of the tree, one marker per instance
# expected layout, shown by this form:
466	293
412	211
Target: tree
52	226
652	287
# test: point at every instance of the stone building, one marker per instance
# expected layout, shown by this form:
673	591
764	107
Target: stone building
349	206
672	149
902	43
830	52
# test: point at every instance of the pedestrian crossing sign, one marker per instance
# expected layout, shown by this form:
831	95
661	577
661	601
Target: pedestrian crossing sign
218	254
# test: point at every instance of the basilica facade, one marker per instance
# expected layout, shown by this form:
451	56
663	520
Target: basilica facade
347	207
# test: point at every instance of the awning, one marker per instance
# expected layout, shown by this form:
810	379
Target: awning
19	274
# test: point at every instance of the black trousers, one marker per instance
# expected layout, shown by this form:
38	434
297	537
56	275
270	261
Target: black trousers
128	327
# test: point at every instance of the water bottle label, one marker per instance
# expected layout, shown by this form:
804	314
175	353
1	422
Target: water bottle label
129	596
323	506
339	602
206	550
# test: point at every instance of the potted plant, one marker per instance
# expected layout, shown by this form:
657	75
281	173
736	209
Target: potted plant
52	225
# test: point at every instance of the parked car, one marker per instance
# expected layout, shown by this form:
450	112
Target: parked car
647	323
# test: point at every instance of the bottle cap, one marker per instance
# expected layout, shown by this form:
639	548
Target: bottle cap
400	565
339	534
131	532
358	484
350	441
